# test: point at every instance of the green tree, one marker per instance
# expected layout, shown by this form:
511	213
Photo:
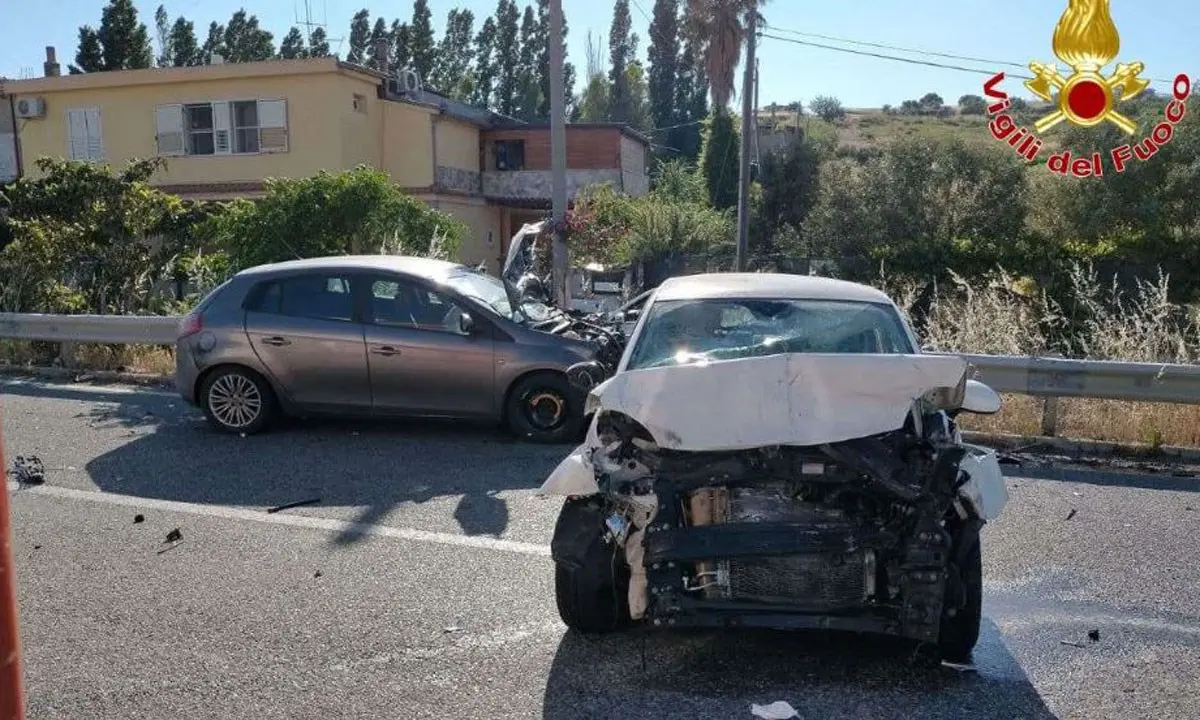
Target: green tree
486	64
719	160
827	108
622	49
593	105
360	34
664	62
972	105
529	86
292	46
184	48
789	187
162	26
507	50
453	75
318	43
245	41
719	26
378	33
401	55
90	55
691	101
214	44
421	40
639	97
125	41
358	211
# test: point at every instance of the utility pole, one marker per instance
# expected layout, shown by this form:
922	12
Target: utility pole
743	207
558	155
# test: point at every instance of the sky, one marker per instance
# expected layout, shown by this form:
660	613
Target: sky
1016	31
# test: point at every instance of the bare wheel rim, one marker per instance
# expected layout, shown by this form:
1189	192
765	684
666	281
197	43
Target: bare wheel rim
235	400
545	409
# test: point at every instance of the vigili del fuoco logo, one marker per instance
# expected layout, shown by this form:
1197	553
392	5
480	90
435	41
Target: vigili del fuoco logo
1086	40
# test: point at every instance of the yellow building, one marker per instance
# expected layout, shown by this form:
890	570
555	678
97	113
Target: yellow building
222	129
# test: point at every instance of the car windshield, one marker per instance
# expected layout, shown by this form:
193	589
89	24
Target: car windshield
489	290
681	332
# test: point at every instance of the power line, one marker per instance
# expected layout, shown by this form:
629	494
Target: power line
929	63
915	51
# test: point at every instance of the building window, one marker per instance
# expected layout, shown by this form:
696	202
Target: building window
510	154
360	103
85	140
242	127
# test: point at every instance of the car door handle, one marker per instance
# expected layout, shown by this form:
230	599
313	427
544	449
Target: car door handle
276	341
385	350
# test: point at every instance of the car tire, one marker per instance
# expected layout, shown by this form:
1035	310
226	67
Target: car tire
237	400
541	408
960	631
593	594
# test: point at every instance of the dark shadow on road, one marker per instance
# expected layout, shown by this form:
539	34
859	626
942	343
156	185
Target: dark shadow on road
822	675
372	466
1106	478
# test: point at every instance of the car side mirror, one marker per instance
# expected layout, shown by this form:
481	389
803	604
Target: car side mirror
585	375
466	324
980	399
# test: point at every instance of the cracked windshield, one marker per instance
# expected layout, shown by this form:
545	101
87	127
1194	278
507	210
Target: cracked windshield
622	359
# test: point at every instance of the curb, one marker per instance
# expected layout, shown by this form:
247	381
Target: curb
85	376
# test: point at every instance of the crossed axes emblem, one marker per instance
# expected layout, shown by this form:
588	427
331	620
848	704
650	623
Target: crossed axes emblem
1086	97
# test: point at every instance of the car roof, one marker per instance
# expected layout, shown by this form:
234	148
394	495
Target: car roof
424	267
766	285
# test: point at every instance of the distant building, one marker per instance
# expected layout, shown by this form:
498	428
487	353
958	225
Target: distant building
224	128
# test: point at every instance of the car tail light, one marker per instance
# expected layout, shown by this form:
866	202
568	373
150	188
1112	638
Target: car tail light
192	323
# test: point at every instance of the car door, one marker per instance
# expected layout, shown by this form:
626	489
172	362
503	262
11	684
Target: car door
419	360
307	332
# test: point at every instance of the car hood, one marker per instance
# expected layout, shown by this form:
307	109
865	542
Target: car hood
519	261
782	399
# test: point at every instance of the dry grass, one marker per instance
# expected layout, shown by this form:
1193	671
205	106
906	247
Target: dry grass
1153	424
140	359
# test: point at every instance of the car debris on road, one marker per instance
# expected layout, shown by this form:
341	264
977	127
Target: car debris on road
29	470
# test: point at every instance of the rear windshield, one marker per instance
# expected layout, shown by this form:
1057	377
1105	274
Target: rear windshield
685	331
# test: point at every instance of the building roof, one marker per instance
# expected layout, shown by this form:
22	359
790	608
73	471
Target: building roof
512	124
766	285
156	76
424	267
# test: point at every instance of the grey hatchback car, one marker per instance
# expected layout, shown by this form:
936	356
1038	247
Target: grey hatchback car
379	336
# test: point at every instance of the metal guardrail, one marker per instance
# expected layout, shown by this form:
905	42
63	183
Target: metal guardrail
115	329
1049	378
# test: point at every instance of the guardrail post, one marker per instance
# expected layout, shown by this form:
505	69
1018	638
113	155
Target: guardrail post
66	353
1050	416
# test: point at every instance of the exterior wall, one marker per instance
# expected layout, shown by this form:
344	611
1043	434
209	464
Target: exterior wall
457	144
361	127
8	142
536	184
587	148
128	125
483	242
634	178
407	150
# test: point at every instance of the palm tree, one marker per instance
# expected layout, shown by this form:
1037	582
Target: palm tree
721	27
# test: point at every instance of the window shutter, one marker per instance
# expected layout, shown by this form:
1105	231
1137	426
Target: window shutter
95	134
222	144
76	135
272	123
168	126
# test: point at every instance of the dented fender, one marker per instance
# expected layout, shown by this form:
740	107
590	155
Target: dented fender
985	490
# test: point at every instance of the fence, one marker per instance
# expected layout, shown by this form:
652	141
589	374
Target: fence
1049	378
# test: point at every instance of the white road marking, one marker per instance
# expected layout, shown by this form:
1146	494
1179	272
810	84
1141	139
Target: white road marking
301	521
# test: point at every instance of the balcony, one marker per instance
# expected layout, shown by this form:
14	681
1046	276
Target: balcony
536	184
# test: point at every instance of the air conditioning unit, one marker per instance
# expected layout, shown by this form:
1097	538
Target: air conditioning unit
406	82
33	107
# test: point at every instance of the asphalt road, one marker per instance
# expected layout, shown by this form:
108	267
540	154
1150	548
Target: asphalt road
420	587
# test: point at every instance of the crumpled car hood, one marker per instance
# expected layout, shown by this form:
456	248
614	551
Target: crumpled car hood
782	399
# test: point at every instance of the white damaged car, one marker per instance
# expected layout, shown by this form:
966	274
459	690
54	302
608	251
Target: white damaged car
775	451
